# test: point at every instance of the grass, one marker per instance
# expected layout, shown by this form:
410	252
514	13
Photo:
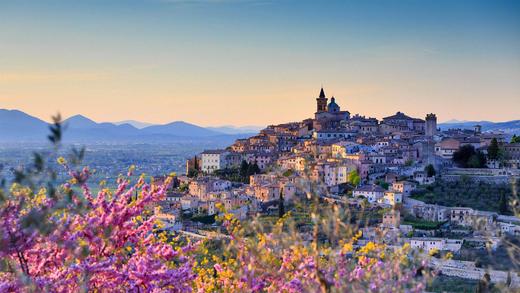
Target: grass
421	224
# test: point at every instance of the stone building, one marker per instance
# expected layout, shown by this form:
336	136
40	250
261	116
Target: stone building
328	116
401	123
212	160
428	244
371	192
431	125
512	151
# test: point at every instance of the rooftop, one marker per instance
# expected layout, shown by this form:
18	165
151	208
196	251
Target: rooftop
370	188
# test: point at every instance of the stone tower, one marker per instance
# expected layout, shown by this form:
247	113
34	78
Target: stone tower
431	125
478	129
321	102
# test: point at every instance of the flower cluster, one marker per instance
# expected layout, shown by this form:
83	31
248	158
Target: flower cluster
111	245
115	243
281	261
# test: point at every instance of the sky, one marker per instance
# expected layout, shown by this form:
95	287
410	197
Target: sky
258	62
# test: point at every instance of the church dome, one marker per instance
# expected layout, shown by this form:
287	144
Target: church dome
333	107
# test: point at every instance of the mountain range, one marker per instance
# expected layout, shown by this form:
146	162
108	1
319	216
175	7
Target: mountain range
508	127
226	129
17	126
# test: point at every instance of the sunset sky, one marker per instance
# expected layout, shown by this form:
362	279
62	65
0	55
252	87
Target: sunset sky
256	62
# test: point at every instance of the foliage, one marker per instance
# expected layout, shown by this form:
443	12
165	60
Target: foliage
421	224
184	187
451	284
466	193
207	219
353	178
194	169
515	139
493	150
430	170
192	173
502	204
60	240
281	204
383	184
504	257
467	157
241	174
63	238
280	260
288	173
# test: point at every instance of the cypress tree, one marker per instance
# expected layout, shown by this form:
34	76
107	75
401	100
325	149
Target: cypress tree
281	204
493	150
502	204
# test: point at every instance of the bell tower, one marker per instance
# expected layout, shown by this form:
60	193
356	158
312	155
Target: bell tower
321	102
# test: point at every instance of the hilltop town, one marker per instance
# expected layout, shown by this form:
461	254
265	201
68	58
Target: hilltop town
415	183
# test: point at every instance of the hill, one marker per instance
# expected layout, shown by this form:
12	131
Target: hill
17	126
508	127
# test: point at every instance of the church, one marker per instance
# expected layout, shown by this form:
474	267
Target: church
328	115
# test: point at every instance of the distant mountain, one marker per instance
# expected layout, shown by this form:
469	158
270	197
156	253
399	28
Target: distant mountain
508	127
79	122
230	129
134	123
180	128
16	127
452	121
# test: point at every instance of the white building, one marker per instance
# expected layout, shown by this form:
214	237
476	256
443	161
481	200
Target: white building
331	134
428	244
212	160
371	192
508	228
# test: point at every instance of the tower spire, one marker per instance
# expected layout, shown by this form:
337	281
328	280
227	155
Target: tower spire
322	93
321	102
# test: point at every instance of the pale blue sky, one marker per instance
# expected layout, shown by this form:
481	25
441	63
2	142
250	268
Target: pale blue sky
216	62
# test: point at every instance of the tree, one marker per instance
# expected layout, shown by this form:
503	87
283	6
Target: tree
253	169
502	204
66	239
243	168
281	204
354	178
288	173
383	184
430	170
192	172
184	187
467	157
478	160
463	154
196	163
515	139
493	150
